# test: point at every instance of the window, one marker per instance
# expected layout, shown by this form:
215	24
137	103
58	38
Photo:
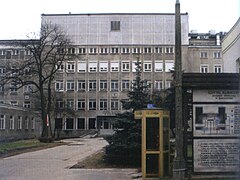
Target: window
115	25
103	104
60	67
125	85
168	84
158	50
134	66
33	123
70	104
1	88
136	50
92	50
13	87
203	55
92	67
204	68
114	104
27	88
217	68
81	104
103	50
169	66
69	123
217	55
92	104
169	50
125	66
9	54
59	85
26	123
103	85
92	123
19	122
82	50
2	121
81	123
71	50
158	85
81	85
26	104
147	50
70	67
114	66
125	50
59	104
103	67
82	66
70	85
92	85
114	50
158	66
147	67
11	122
148	84
114	85
2	70
14	103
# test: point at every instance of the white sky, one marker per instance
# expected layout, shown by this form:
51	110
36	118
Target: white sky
21	17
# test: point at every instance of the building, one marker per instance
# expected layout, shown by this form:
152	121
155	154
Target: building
230	49
108	45
205	53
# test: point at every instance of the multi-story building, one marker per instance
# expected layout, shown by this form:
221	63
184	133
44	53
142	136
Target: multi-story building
107	47
205	52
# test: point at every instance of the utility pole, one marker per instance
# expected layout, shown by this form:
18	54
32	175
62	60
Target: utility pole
179	161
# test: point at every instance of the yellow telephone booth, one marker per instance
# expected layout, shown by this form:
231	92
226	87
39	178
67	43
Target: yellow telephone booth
155	142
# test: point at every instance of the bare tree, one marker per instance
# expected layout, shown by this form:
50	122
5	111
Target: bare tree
45	57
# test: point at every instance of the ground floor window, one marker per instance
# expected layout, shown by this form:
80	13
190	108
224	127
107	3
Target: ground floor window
2	121
81	123
92	123
58	123
69	123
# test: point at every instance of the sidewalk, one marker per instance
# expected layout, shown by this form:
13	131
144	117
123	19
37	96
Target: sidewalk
54	163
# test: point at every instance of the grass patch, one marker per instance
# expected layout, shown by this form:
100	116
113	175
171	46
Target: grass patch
97	161
17	147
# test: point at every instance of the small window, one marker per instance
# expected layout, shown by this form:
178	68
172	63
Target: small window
70	85
125	66
2	121
81	104
103	104
114	66
217	68
82	66
158	85
103	67
217	55
204	68
203	55
115	25
158	66
147	67
82	50
81	85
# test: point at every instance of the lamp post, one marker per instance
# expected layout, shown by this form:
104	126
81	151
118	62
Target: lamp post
179	161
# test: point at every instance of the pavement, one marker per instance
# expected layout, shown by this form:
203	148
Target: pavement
54	163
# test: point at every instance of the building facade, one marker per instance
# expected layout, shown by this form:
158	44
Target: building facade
230	49
107	47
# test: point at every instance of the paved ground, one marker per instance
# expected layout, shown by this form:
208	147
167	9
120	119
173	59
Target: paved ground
54	163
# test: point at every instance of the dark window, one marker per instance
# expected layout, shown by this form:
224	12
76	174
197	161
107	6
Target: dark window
58	123
115	25
92	122
81	123
199	113
69	123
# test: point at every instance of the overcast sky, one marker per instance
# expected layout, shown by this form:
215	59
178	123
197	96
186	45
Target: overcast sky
21	17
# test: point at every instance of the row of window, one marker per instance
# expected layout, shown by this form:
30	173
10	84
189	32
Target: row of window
16	122
114	66
204	68
90	104
119	50
104	85
216	55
